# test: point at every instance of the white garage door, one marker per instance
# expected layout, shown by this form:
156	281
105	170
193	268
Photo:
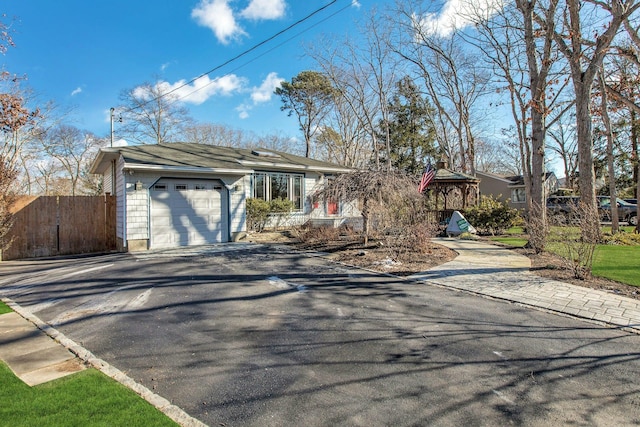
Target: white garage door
188	212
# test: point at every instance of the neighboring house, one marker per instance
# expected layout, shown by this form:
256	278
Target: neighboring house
511	188
181	194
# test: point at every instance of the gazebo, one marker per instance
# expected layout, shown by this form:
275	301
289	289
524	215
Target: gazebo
452	190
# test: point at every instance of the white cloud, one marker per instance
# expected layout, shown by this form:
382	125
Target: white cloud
218	16
260	94
243	111
264	9
265	91
356	4
458	14
197	92
76	91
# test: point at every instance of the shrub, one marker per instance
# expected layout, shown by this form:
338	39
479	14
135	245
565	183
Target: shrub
257	214
621	239
279	209
491	216
577	247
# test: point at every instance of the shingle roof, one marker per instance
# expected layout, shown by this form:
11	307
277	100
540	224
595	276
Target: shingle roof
189	155
445	175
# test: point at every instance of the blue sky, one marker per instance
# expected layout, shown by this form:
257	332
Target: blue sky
83	54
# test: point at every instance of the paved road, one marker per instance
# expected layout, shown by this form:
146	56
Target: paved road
252	335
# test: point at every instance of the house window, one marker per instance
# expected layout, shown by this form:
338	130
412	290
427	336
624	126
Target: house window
199	187
160	187
518	195
181	187
271	186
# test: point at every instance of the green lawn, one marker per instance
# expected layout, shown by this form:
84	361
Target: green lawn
619	263
4	308
616	262
87	398
516	242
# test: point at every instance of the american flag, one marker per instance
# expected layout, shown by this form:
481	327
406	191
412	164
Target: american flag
427	176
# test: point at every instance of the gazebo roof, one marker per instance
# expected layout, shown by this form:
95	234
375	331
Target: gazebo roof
447	176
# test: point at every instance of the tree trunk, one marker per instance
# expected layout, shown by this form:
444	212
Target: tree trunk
636	161
615	226
587	176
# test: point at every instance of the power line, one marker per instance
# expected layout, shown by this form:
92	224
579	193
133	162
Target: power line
235	58
246	63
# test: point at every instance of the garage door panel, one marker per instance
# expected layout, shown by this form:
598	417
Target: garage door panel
188	217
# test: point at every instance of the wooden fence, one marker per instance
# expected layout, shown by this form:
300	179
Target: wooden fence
62	225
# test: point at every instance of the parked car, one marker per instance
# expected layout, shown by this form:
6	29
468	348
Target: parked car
564	207
627	212
632	201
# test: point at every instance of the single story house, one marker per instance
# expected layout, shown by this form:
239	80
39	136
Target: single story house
182	194
511	188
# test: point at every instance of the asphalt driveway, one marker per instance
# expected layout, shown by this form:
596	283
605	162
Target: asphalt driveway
243	335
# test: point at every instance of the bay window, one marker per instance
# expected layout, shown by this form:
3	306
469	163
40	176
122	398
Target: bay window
270	186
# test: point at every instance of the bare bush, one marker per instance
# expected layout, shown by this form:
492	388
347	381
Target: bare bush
577	246
314	235
377	192
393	211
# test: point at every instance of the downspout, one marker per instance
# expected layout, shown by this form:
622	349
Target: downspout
149	187
113	177
124	211
228	188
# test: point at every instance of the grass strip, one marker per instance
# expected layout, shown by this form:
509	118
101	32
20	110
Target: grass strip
87	398
516	242
4	308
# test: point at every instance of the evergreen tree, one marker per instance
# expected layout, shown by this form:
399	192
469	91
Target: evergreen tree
412	134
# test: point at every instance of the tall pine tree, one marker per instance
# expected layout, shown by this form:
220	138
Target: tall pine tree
412	134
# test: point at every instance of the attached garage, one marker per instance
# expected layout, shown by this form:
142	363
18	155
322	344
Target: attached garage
179	194
187	212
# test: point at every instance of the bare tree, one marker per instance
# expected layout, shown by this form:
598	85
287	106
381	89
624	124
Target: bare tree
47	172
7	199
6	30
342	138
500	155
215	134
453	78
608	131
73	149
278	142
585	55
363	71
519	43
564	143
150	114
622	86
17	120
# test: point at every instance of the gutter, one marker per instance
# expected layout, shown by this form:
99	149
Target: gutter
187	169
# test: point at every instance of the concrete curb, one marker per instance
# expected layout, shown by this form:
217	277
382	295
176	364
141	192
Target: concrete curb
159	402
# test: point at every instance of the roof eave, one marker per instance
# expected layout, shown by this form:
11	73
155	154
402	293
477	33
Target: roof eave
104	157
184	169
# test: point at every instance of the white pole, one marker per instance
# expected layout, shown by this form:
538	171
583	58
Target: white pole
112	110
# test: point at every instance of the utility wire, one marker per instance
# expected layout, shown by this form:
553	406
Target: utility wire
235	58
177	99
